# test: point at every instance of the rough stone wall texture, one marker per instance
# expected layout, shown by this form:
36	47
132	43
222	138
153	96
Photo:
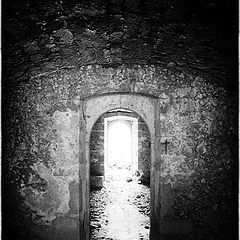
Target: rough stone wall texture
56	52
44	37
97	146
144	150
197	118
41	164
199	167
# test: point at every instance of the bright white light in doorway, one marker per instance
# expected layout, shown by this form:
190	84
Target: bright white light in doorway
120	146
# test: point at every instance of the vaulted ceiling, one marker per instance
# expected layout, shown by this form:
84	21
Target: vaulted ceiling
196	36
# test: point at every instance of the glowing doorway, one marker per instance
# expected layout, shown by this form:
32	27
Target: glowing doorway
120	146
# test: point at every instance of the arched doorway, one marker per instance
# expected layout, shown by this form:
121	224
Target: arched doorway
92	109
120	178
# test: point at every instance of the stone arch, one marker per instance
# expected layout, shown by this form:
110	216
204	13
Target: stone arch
94	107
91	109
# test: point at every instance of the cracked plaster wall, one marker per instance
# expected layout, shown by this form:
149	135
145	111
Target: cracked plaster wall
41	147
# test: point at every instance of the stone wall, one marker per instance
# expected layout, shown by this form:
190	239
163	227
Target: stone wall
41	146
97	148
199	166
144	150
41	169
58	52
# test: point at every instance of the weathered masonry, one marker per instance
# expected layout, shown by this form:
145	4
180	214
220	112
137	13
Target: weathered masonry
67	64
54	188
95	107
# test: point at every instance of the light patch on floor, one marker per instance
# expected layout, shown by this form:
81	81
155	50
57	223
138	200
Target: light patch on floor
120	210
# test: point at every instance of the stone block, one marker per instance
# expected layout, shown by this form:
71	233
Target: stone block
64	35
143	127
96	182
97	169
176	226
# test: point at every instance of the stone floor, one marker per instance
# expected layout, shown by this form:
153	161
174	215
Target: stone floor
120	210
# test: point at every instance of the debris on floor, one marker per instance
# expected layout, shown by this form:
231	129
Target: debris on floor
120	210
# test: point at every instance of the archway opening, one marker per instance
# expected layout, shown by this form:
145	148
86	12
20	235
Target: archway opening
120	157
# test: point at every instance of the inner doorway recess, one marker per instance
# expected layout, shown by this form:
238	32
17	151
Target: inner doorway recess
120	161
120	145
